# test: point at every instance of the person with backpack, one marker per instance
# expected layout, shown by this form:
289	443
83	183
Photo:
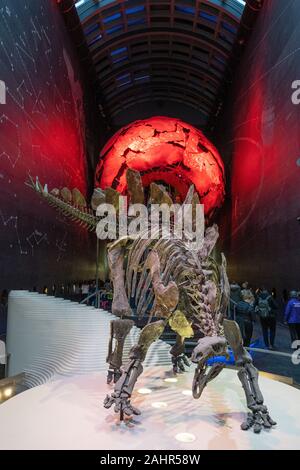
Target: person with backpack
245	318
292	315
235	297
266	308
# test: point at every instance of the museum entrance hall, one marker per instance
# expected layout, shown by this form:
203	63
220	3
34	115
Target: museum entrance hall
149	225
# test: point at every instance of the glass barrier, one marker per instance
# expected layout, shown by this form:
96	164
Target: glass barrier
284	367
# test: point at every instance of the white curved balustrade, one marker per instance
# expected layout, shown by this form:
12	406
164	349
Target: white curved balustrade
49	336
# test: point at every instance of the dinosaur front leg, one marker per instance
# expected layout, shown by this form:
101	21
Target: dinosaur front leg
125	385
119	329
258	417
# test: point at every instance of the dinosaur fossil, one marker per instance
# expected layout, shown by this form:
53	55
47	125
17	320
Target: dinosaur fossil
165	281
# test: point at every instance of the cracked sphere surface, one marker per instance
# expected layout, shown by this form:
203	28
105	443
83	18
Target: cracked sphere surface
164	150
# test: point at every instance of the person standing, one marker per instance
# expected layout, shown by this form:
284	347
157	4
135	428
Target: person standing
266	308
235	297
292	316
84	290
244	318
247	294
92	290
77	292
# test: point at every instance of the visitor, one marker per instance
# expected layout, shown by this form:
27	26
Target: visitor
92	289
245	318
109	297
77	292
257	292
292	316
285	296
247	294
235	297
266	308
84	290
68	290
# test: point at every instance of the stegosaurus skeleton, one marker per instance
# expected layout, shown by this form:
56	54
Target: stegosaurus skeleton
168	281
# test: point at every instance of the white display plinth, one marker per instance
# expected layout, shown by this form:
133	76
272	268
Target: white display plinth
67	413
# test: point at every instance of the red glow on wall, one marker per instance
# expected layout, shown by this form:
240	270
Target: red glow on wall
63	151
249	147
168	150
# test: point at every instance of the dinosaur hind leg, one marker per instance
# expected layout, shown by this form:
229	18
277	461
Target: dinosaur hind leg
179	359
179	323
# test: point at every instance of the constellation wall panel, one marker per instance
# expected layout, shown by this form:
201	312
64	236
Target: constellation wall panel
42	132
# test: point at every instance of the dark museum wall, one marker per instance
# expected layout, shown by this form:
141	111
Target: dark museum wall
42	132
259	138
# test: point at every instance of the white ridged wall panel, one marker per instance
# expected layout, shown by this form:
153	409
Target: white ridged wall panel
48	336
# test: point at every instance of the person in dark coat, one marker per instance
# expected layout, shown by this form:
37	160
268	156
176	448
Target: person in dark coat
245	318
235	297
266	308
292	316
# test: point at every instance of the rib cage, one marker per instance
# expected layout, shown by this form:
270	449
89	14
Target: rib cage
180	264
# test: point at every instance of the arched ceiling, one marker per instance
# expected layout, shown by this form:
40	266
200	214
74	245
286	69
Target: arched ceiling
147	51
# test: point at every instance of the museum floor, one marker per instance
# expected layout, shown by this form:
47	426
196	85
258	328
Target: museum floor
67	413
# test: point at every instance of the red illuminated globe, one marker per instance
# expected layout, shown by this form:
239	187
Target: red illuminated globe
164	150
